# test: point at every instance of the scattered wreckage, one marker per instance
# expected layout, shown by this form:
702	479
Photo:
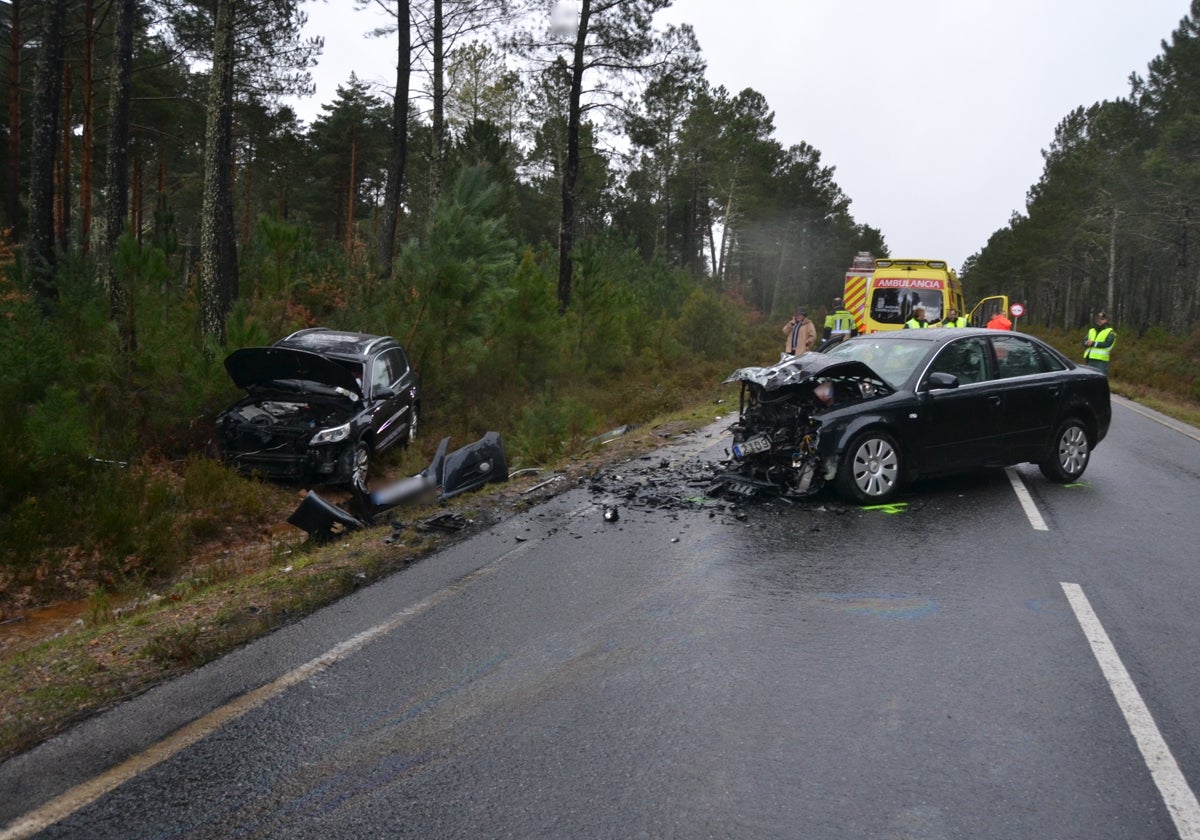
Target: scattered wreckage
448	475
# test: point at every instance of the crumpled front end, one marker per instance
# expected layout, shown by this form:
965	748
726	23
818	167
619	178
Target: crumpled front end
774	449
776	439
275	439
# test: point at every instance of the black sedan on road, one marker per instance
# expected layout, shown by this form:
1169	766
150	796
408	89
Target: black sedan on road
320	405
878	411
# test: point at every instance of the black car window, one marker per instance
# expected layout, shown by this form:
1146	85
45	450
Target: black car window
1016	356
1047	359
966	359
389	367
381	372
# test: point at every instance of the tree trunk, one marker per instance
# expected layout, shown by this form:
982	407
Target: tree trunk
246	204
1112	263
218	251
88	149
47	100
137	197
351	195
12	201
62	182
566	227
116	166
1177	317
399	146
439	100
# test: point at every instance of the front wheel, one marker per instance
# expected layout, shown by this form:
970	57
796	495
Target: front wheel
1071	453
360	466
414	417
870	469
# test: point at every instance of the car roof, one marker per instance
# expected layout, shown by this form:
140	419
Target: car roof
934	334
338	343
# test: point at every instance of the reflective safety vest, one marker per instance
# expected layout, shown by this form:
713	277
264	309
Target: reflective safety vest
1106	337
914	324
840	322
960	321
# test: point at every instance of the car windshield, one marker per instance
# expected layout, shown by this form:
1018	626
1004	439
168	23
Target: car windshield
895	306
894	360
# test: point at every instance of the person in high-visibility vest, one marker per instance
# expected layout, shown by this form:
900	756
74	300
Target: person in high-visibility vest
838	323
917	321
1099	343
953	319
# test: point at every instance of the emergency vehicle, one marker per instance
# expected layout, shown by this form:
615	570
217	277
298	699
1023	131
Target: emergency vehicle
882	293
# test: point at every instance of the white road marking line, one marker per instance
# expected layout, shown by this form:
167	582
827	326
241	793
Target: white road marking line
1031	511
1180	800
88	792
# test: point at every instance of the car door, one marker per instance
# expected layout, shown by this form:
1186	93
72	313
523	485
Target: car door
389	410
958	424
1029	387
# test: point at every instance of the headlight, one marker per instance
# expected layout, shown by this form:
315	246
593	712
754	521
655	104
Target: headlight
334	435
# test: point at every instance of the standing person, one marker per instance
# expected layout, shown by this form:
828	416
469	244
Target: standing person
801	333
839	323
953	319
917	321
1098	344
999	321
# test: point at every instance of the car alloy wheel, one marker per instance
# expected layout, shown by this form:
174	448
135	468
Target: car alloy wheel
414	417
360	467
870	470
1071	454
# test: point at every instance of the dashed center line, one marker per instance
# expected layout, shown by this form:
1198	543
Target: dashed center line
1026	500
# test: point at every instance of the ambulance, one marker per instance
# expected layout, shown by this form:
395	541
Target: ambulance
882	293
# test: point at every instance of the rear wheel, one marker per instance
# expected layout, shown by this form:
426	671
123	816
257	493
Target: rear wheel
870	468
1071	453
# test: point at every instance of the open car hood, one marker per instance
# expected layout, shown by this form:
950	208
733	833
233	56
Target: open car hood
804	368
253	366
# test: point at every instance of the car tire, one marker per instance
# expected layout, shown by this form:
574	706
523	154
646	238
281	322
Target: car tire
871	468
1070	454
360	466
414	424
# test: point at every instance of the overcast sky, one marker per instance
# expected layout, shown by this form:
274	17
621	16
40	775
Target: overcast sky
934	113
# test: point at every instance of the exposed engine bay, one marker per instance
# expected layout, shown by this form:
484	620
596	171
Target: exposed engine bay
776	448
273	423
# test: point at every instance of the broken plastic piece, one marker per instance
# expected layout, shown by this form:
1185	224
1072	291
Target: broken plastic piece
318	516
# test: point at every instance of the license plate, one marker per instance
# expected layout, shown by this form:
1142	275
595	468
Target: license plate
761	443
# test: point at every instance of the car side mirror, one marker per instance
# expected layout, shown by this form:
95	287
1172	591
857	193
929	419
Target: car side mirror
942	380
382	392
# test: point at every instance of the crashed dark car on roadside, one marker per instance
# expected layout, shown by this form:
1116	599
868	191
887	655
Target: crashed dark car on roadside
321	404
879	411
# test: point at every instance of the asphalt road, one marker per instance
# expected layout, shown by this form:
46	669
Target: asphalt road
995	656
